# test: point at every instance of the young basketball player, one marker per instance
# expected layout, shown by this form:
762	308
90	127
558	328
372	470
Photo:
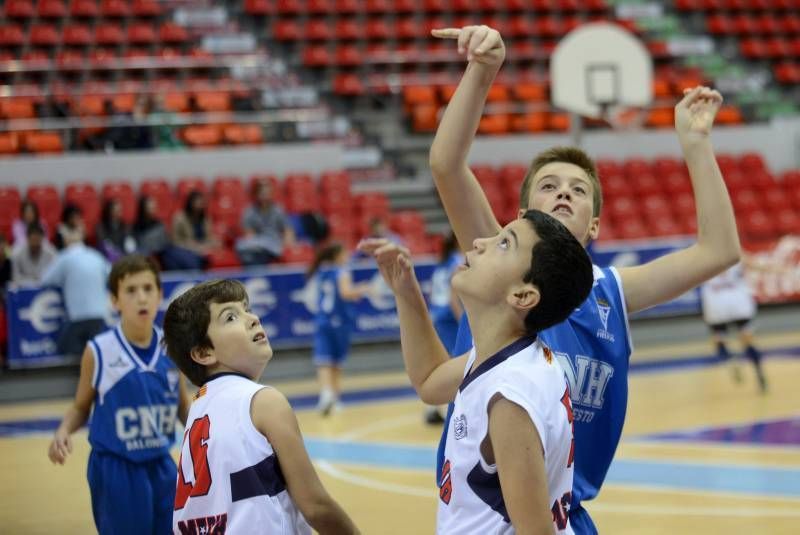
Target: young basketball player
243	467
508	459
593	346
135	396
728	301
334	319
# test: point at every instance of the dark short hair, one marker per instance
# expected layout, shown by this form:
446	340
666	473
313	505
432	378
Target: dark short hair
560	269
572	155
129	265
187	319
34	228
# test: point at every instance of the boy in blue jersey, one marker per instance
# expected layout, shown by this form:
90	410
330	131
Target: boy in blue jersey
593	345
135	396
334	319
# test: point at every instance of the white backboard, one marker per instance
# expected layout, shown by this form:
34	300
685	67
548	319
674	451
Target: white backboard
599	66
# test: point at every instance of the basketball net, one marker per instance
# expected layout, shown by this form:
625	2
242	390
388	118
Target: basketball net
622	117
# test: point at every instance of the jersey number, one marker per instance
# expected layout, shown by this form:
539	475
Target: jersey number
198	448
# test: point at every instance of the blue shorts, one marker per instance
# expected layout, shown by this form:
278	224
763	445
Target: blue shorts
580	521
128	497
331	345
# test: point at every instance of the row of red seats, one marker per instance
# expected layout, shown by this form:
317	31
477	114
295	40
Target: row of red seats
82	9
82	35
744	24
770	48
105	59
737	5
322	7
787	73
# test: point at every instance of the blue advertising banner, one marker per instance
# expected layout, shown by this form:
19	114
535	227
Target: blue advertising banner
280	297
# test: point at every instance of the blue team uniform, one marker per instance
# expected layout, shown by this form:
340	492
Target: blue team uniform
594	347
444	321
131	473
334	319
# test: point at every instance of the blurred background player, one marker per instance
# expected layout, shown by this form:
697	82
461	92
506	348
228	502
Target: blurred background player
728	302
334	319
243	467
135	395
445	306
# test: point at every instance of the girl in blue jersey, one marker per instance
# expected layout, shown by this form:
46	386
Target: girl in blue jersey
135	395
334	319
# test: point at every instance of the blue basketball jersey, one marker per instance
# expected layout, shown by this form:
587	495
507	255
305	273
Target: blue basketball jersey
444	321
332	309
136	404
593	347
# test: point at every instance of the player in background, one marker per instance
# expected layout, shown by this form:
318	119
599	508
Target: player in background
135	396
508	461
334	320
445	307
594	345
243	468
728	302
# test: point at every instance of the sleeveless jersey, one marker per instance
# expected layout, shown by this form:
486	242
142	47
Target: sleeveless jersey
471	500
441	289
593	347
332	309
727	297
229	479
136	404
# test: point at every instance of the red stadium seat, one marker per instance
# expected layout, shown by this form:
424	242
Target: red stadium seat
43	142
146	8
84	196
109	34
48	201
43	35
83	9
188	184
299	253
169	32
115	9
121	191
77	35
11	35
200	136
9	209
19	9
141	34
51	9
223	258
159	190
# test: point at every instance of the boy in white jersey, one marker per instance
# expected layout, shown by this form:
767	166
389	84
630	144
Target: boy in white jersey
244	468
135	396
508	460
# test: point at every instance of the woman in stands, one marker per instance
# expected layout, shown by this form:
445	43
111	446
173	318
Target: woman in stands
191	228
114	236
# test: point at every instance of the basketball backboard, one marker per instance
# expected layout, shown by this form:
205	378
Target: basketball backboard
600	67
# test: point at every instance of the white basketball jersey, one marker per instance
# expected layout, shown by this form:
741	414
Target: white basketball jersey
229	479
727	297
470	497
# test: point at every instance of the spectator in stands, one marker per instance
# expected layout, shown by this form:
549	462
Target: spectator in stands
28	213
191	229
130	131
5	266
377	228
31	259
163	122
266	229
114	236
81	273
153	239
71	226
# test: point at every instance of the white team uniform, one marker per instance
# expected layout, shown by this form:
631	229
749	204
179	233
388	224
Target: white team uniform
525	373
727	297
240	489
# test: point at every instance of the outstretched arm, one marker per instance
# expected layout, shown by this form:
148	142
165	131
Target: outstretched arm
434	375
717	247
77	414
463	199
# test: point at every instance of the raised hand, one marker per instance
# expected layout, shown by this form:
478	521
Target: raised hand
695	113
481	44
394	263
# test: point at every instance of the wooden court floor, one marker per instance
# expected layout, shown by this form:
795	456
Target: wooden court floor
700	453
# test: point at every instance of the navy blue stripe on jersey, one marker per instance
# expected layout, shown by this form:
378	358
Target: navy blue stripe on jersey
487	487
99	367
497	358
223	374
257	480
124	346
147	354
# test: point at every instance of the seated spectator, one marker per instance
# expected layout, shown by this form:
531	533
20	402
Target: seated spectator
28	213
130	131
266	229
163	125
71	226
114	236
377	228
153	239
31	259
81	273
191	229
5	266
